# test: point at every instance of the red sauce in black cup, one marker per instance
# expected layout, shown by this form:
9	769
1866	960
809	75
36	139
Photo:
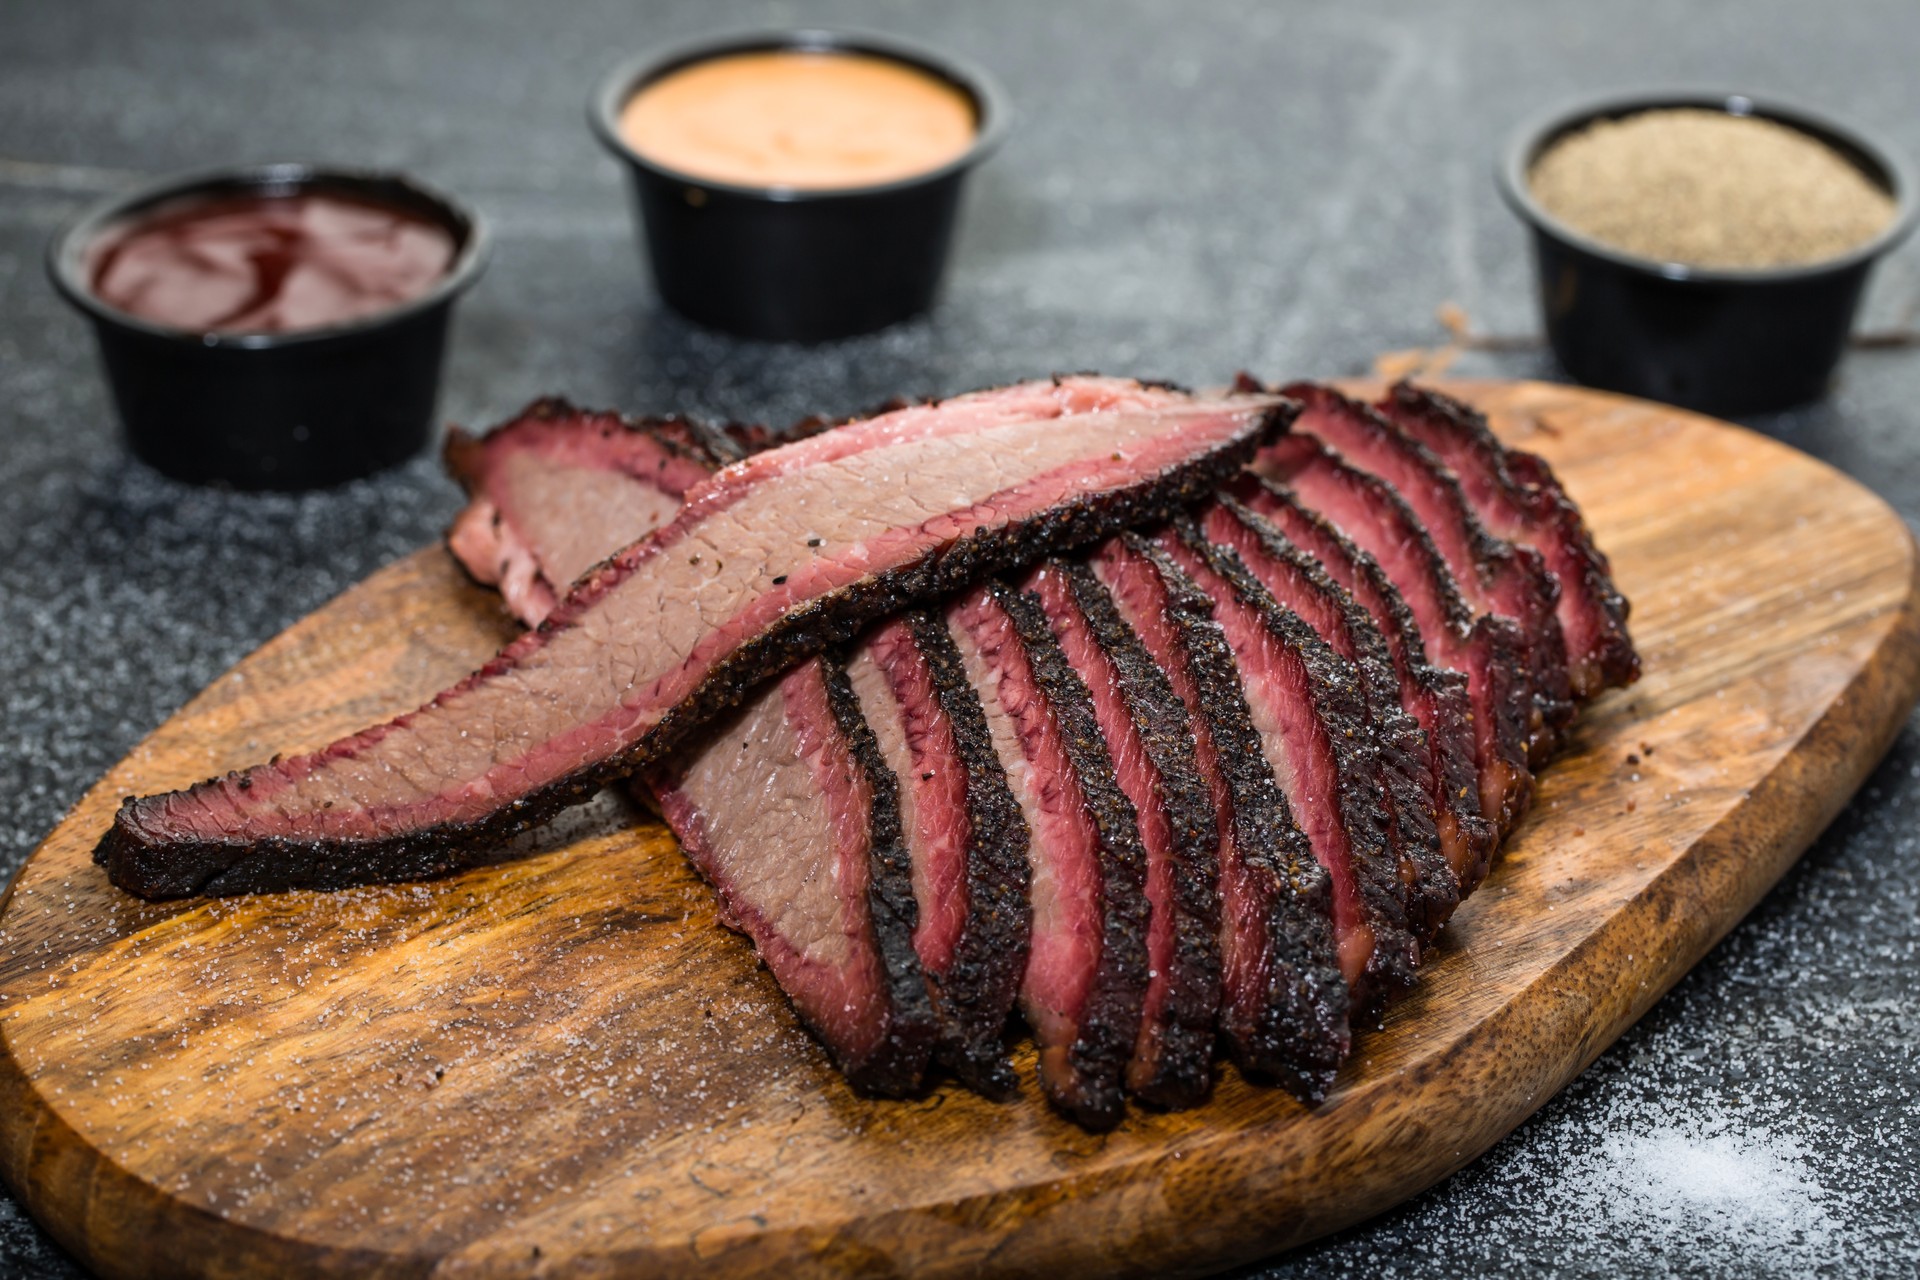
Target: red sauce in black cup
257	263
272	328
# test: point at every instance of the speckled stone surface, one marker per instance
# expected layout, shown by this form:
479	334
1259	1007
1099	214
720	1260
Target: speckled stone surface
1191	189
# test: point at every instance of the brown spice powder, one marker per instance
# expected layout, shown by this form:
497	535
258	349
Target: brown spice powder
1709	190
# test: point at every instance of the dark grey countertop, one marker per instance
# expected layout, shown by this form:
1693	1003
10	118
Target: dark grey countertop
1191	189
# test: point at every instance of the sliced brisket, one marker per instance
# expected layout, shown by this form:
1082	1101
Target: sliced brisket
1428	884
769	561
1148	737
805	849
1086	975
1437	697
965	840
1307	706
965	836
1519	498
1494	576
532	480
1284	1004
1486	649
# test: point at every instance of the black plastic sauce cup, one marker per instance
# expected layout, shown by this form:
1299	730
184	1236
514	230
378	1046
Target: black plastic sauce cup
1726	342
790	264
294	410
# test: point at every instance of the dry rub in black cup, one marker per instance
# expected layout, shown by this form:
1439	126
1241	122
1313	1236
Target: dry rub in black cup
1722	339
789	234
277	327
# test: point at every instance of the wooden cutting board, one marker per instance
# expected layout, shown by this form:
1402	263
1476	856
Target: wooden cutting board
561	1065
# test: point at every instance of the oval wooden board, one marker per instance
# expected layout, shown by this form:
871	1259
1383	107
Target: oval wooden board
560	1064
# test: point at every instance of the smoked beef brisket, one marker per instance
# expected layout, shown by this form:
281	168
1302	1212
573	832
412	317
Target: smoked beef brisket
1284	1003
769	561
1405	761
805	849
1151	745
1519	498
1495	577
1086	976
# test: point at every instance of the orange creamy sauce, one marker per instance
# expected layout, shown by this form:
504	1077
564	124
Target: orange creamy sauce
796	119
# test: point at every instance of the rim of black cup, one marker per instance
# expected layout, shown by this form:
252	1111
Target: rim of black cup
992	114
67	255
1882	163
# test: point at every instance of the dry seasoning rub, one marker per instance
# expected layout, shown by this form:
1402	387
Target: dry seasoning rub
791	118
269	263
1709	189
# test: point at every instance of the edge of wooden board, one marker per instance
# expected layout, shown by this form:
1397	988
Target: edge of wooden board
1207	1206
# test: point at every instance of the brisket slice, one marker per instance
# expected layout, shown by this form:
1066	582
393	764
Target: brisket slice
1306	704
531	481
1486	649
1148	737
1495	576
966	839
769	561
1519	498
1086	974
1427	882
1437	697
1284	1004
809	862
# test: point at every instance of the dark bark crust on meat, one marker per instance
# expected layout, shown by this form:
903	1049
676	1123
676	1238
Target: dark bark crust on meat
1299	1034
1109	1023
1586	577
1405	757
1339	709
1496	638
978	990
896	1066
186	867
1181	1071
1496	562
1440	693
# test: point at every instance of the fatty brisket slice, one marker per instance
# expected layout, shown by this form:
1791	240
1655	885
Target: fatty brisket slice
963	834
1430	889
1487	649
1086	975
793	817
1435	696
1494	576
1284	1009
1519	498
1150	741
770	561
1307	705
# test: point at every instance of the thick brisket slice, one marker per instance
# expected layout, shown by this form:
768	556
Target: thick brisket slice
1086	975
1405	761
966	839
1518	497
1486	649
1495	576
809	862
1284	1005
1307	706
769	561
532	480
1435	696
1151	744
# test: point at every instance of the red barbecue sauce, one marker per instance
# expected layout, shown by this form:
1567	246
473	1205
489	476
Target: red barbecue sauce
269	263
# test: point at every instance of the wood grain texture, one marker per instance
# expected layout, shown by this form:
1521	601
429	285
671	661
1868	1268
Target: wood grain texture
560	1064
